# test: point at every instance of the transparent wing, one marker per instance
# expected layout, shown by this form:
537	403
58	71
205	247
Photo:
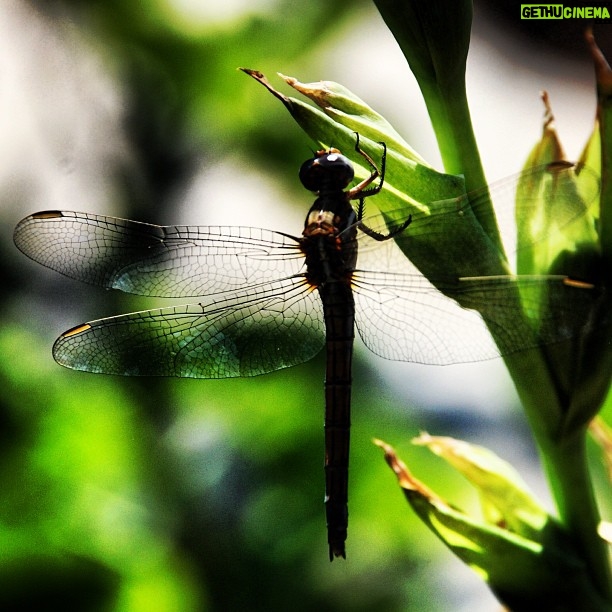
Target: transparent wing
189	261
163	261
241	333
402	316
399	313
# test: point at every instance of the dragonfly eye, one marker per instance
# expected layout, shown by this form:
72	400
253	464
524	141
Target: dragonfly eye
327	170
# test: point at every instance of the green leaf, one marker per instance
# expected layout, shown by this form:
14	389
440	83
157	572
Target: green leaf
524	573
566	240
345	108
434	37
559	239
603	73
409	182
506	499
447	245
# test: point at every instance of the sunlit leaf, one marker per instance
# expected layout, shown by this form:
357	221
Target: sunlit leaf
506	499
521	571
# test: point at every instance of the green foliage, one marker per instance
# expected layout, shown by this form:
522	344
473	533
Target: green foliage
523	554
75	486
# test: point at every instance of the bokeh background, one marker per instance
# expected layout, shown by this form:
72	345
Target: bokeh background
178	495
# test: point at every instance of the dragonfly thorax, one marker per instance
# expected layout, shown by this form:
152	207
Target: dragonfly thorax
330	250
320	222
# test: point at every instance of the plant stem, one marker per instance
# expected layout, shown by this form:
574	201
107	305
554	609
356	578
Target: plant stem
565	462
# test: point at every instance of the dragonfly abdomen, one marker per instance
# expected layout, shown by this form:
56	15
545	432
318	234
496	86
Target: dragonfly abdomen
339	313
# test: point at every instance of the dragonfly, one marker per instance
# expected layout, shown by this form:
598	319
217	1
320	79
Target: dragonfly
269	300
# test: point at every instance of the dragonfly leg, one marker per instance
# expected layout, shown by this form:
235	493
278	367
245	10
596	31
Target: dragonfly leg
380	236
359	191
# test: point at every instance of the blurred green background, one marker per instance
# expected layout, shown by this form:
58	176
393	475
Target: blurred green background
177	495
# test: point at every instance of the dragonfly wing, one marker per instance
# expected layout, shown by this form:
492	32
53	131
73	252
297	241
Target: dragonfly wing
405	318
163	261
402	316
242	333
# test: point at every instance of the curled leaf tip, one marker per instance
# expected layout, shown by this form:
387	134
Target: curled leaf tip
549	117
443	444
603	72
318	92
260	77
290	80
396	464
549	148
406	480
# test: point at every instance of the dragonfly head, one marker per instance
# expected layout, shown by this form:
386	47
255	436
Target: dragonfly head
327	170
